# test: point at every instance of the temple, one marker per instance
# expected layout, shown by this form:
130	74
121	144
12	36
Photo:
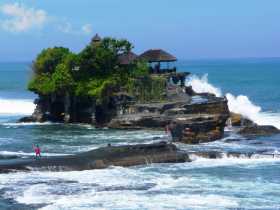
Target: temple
127	59
96	39
160	61
155	58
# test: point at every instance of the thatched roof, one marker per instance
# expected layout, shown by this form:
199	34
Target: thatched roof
127	58
157	55
96	38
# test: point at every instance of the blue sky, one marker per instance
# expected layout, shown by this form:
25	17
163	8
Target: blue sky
189	29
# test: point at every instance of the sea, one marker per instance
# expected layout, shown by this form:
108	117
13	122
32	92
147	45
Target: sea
252	87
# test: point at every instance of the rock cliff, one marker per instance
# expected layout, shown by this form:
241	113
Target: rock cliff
189	122
190	117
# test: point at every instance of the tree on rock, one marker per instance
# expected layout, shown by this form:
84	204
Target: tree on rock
48	59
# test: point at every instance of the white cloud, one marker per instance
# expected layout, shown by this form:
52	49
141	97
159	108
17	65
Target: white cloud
87	29
68	28
21	19
65	27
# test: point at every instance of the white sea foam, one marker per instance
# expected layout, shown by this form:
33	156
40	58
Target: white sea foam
241	104
128	200
21	153
118	188
242	160
238	104
13	125
16	107
201	85
114	188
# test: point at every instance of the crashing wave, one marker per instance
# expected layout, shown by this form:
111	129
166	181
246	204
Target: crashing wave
201	85
16	107
238	104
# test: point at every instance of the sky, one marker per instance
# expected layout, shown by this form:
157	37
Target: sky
188	29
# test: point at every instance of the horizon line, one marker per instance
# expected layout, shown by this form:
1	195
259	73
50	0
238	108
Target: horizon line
179	59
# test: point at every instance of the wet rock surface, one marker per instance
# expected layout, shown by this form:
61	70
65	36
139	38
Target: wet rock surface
259	130
239	120
125	156
190	123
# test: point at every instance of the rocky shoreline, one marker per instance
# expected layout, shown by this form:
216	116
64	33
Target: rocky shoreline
189	117
206	120
125	156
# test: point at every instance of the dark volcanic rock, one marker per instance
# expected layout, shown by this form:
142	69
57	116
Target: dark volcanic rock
6	157
202	122
205	121
26	119
125	156
259	130
239	120
198	129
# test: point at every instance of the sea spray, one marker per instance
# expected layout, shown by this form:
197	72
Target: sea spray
16	107
242	105
201	85
238	104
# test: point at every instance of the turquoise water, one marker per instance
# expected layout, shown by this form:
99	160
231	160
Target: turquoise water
226	183
258	79
13	80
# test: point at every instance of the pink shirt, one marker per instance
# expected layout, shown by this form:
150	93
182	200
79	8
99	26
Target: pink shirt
37	150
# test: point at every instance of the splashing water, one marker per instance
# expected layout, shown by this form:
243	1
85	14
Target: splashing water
201	85
238	104
16	107
242	105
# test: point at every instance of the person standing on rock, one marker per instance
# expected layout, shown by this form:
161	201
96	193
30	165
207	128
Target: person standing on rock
37	150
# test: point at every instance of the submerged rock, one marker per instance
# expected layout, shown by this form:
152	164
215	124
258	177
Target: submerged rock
125	156
239	120
7	157
26	119
259	130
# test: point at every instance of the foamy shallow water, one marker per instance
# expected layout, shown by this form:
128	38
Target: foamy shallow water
203	184
225	183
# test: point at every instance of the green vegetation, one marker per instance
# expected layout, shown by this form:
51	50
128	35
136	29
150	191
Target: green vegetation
148	88
94	72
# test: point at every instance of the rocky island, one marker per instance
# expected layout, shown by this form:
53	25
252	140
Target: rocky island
107	85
